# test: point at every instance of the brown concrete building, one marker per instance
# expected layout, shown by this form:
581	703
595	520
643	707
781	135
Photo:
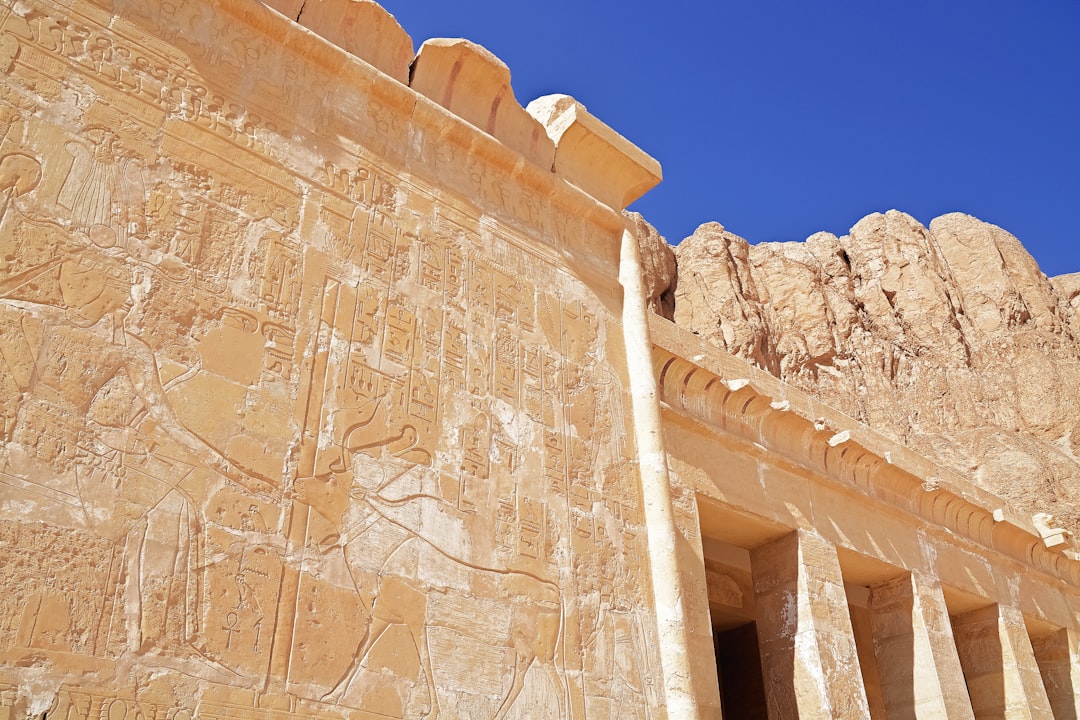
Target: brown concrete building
328	388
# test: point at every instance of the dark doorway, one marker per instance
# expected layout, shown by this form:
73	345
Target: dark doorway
738	665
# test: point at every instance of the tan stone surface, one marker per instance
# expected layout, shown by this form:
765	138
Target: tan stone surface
804	631
593	156
999	664
298	418
913	641
1068	286
1054	652
659	270
361	28
470	82
288	8
947	338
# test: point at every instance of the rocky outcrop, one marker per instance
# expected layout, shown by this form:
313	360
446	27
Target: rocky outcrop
1069	288
947	338
657	265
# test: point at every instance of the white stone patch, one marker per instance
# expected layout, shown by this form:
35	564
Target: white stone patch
516	424
39	685
839	438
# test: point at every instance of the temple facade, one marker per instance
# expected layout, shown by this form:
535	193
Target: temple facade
329	388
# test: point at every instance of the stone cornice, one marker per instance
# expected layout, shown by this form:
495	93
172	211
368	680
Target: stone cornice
594	253
731	396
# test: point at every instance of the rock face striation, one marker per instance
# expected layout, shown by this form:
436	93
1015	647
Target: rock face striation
947	338
657	265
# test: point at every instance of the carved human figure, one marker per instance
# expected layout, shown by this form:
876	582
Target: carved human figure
19	174
617	646
93	414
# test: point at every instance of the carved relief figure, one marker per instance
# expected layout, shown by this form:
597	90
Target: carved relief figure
104	189
19	174
93	430
363	511
91	391
372	483
186	301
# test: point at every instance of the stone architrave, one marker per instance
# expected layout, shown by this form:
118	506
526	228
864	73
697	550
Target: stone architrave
999	664
808	654
921	675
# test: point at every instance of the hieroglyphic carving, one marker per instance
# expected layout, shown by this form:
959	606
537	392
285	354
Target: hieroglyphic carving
69	610
300	412
386	363
95	703
103	432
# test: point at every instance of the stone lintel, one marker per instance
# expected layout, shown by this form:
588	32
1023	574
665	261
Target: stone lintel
593	156
913	644
808	651
999	664
472	83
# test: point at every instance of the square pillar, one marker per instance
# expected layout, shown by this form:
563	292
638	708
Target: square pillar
999	665
808	653
920	671
1058	655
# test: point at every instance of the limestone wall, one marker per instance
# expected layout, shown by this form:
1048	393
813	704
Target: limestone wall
313	390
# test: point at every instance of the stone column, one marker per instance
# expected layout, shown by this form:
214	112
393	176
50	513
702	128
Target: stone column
1058	655
808	652
669	592
917	660
999	664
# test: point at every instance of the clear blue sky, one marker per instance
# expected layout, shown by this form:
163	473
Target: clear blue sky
779	118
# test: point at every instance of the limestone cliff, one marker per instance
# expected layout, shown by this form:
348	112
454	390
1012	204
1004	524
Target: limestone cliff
657	264
949	339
